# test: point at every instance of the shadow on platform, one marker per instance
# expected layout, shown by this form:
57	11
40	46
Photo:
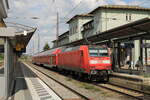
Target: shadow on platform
20	87
2	70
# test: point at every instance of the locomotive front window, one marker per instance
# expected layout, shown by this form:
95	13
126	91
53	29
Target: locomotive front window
98	52
93	52
103	52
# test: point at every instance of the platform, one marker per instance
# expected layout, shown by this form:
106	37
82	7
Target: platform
1	80
1	71
133	70
21	90
135	82
29	87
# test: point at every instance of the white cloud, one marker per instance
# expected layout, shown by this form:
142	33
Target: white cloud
44	31
19	4
135	3
46	11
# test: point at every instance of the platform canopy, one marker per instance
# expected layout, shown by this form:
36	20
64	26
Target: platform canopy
3	8
136	29
19	37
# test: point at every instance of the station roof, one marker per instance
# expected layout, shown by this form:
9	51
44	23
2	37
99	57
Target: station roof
65	33
54	40
123	7
23	39
80	15
133	29
62	36
19	38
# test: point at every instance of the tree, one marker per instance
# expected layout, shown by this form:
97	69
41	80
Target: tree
46	47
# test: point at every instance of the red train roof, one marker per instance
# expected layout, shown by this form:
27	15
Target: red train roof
48	52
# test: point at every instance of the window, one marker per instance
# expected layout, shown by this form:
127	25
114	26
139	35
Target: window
98	52
93	52
128	17
76	29
70	31
73	30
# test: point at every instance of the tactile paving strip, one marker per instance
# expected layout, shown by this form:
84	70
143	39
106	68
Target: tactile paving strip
42	93
42	90
38	89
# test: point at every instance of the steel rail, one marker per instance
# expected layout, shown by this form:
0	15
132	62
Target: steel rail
74	91
101	86
121	92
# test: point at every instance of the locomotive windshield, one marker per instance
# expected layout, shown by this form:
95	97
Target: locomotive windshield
98	52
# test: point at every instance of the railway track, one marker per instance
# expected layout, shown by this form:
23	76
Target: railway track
49	76
139	95
132	93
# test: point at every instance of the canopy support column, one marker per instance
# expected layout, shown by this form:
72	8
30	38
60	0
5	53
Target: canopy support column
8	67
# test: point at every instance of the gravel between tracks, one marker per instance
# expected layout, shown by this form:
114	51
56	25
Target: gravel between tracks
87	89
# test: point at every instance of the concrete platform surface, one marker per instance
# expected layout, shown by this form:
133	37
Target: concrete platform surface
29	87
2	83
1	70
131	81
133	77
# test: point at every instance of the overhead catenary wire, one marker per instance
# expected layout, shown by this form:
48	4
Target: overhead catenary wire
76	6
65	18
58	20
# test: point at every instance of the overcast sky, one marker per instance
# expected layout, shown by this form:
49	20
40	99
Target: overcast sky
21	11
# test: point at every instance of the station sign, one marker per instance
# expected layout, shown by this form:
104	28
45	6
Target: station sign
19	47
127	45
23	50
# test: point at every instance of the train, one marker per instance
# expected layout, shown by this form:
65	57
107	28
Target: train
86	61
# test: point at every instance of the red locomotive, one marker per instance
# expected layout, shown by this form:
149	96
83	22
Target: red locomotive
86	60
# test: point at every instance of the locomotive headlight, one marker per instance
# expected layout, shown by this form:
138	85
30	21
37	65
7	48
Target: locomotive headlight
93	61
106	61
93	72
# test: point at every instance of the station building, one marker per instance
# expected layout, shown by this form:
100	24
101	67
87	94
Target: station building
102	19
112	16
62	39
76	26
109	17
